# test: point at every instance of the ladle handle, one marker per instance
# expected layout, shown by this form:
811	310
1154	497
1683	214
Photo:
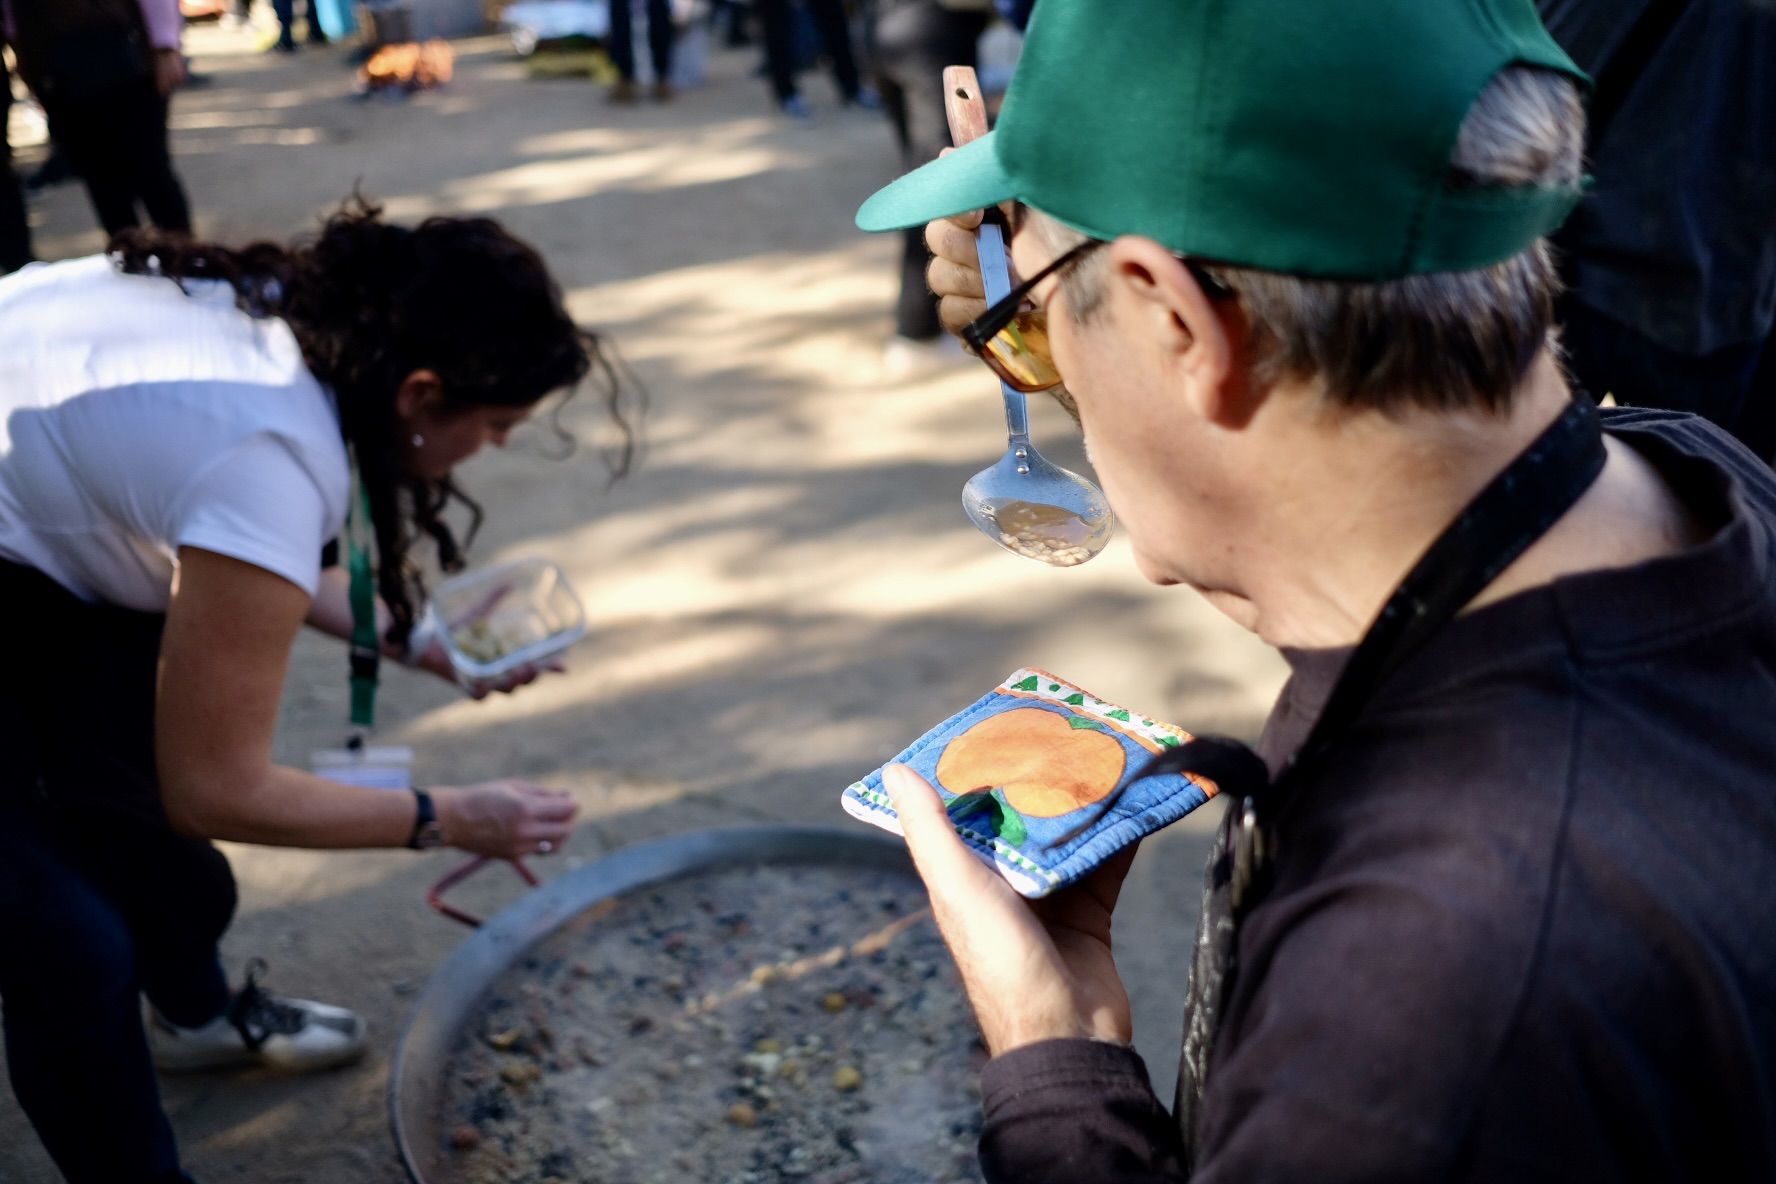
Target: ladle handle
963	104
996	282
968	122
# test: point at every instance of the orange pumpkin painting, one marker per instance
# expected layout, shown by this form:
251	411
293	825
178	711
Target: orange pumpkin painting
1044	763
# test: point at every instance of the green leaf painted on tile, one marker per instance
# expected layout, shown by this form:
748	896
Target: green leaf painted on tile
1170	741
1028	684
1010	828
1054	686
1119	713
966	805
992	813
1074	700
1080	723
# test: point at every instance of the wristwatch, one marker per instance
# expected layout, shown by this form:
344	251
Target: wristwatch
428	832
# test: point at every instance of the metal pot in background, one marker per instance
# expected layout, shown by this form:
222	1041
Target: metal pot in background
453	996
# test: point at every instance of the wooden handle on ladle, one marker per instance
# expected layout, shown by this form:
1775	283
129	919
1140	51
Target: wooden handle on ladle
963	104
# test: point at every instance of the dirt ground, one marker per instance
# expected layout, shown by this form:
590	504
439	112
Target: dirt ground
783	595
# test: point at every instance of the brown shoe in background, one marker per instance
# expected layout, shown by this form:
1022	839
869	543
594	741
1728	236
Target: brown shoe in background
662	92
623	92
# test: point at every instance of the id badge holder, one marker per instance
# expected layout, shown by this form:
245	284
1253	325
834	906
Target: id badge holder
358	763
382	767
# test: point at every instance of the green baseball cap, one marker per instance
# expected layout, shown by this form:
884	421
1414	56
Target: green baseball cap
1306	137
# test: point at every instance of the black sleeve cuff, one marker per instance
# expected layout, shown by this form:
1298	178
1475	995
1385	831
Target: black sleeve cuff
1072	1110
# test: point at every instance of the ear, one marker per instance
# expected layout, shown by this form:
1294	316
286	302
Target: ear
419	393
1200	339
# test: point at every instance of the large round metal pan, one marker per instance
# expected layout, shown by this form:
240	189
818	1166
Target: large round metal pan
455	992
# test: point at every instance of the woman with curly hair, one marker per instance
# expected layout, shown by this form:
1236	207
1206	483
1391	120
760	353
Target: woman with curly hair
181	427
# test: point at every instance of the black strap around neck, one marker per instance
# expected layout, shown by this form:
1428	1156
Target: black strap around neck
1509	515
1519	506
1515	510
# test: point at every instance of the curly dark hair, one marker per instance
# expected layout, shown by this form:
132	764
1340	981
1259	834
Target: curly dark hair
371	303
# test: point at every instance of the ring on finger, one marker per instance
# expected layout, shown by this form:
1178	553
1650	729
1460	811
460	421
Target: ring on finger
544	847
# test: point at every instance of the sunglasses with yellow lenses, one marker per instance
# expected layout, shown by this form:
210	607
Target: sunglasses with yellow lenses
1012	339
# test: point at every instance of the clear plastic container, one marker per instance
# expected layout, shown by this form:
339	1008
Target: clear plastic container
499	618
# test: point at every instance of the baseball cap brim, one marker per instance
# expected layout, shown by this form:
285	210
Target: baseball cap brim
969	178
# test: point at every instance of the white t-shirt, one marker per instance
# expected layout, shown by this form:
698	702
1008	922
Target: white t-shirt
136	419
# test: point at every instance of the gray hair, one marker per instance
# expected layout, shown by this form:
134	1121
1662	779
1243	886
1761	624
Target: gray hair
1444	341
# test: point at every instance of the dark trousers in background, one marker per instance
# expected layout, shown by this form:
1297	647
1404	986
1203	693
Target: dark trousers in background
117	143
100	900
15	230
622	38
778	27
913	42
731	16
1734	387
285	10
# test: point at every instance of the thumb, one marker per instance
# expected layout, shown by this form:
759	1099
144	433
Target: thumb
938	851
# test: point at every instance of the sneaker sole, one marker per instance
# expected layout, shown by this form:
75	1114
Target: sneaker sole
176	1067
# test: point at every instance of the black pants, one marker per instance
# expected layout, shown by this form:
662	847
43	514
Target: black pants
285	11
731	17
913	42
1734	387
15	231
780	48
100	900
117	143
622	38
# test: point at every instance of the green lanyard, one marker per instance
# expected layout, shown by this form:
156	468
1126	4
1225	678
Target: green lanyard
366	645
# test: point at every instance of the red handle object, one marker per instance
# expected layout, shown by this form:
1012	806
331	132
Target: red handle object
435	895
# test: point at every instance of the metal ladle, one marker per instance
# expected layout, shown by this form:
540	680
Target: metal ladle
1025	502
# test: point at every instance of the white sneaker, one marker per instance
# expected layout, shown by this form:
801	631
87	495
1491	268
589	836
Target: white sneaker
259	1028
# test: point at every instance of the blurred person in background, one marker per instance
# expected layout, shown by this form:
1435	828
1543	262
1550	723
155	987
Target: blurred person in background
732	17
911	43
105	72
1017	12
1671	262
183	429
285	10
15	228
660	36
778	27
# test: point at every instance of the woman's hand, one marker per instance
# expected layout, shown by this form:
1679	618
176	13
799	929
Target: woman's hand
510	681
331	614
504	819
436	661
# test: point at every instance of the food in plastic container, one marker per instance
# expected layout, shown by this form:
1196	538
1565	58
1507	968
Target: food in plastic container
496	619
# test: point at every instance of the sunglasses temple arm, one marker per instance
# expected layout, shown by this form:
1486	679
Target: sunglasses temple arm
996	282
